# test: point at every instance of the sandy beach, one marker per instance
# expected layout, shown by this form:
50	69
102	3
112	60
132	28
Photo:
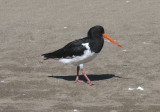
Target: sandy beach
128	78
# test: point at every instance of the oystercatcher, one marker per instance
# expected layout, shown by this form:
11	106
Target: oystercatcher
81	51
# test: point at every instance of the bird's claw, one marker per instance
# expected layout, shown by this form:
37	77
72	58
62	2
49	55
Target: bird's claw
91	83
81	81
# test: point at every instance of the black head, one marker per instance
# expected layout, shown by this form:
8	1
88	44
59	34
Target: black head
96	31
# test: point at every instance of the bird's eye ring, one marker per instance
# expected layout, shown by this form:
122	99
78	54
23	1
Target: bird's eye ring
99	29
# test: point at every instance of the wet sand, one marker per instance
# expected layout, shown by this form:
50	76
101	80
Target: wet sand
29	28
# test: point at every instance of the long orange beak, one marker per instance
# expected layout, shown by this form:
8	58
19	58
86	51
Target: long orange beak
106	36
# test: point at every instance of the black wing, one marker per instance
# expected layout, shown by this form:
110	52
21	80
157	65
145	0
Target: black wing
74	48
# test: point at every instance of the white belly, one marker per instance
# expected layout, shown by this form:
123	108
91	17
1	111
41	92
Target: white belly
76	60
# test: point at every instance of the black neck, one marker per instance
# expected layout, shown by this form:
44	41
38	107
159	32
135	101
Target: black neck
96	44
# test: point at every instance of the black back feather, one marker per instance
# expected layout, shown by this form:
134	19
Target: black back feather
74	48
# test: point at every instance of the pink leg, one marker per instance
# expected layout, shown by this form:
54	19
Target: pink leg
77	77
89	81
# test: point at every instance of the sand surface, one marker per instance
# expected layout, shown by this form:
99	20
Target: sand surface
29	28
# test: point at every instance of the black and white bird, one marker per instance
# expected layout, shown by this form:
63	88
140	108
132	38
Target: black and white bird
81	51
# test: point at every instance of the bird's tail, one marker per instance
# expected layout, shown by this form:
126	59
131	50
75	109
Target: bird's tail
52	55
48	55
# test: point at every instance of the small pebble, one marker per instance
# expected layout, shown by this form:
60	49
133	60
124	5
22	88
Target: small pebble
107	40
145	43
2	81
75	110
127	1
124	50
130	89
140	88
65	27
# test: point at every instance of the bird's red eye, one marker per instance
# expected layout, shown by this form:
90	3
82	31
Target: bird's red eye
99	29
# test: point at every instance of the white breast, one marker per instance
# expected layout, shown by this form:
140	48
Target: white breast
76	60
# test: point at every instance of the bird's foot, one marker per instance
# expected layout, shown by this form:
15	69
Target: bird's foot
91	83
81	81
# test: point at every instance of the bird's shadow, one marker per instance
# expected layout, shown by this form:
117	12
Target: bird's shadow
93	77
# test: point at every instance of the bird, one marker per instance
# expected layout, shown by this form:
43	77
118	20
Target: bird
81	51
